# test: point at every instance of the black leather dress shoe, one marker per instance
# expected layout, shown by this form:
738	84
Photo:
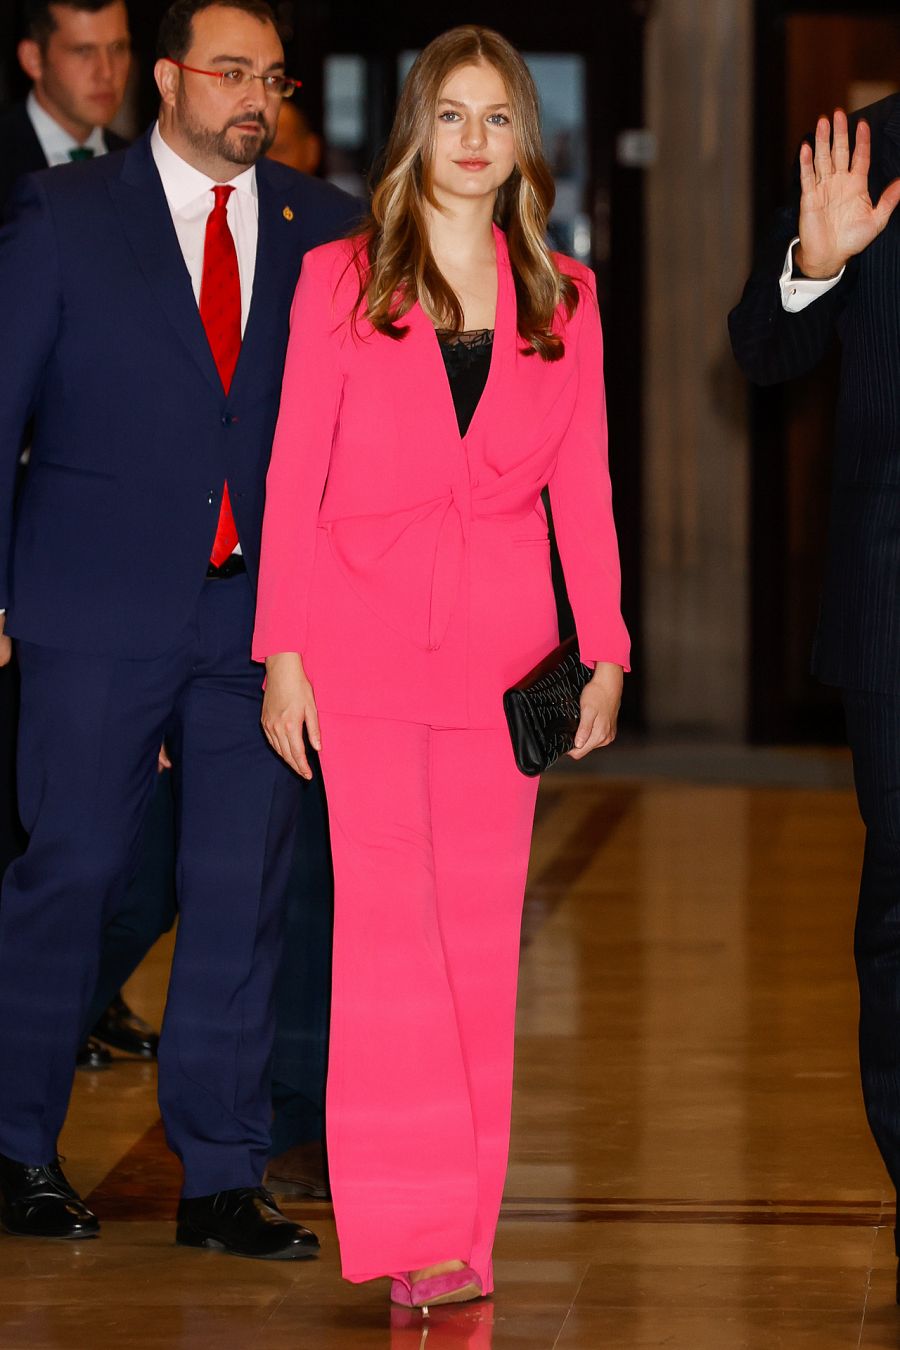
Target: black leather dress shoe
39	1202
244	1222
121	1028
92	1055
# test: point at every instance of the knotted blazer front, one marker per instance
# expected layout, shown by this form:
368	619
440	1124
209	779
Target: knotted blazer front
408	565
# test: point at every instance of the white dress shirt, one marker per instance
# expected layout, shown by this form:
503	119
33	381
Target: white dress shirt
54	140
798	292
190	196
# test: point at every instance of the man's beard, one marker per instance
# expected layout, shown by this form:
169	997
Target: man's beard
237	149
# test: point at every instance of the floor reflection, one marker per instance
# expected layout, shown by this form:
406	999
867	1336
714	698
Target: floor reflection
460	1327
690	1163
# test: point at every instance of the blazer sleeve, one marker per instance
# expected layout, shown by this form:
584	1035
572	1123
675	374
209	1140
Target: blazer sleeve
770	344
32	304
581	501
301	453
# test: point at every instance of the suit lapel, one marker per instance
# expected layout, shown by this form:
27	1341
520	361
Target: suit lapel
29	152
502	354
147	222
887	167
891	154
281	240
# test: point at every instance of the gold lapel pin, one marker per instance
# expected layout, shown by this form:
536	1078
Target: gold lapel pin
288	213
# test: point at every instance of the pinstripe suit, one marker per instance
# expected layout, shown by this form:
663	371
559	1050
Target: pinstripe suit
857	645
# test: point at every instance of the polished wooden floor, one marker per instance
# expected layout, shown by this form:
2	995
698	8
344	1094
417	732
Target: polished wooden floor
690	1163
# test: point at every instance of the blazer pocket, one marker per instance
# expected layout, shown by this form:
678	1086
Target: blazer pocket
60	493
76	471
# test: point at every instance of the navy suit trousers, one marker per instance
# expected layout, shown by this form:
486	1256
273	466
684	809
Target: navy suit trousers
89	735
873	730
303	992
303	987
148	909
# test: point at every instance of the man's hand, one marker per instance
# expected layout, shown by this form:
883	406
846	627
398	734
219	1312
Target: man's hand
288	706
837	218
600	701
5	644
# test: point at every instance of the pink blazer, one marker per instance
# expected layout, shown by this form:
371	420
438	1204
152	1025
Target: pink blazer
410	566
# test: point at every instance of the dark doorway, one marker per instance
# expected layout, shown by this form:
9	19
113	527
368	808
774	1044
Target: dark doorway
811	58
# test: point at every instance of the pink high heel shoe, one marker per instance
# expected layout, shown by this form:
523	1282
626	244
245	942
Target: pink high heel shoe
457	1286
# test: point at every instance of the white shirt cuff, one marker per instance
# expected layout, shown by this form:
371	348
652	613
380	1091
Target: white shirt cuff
798	292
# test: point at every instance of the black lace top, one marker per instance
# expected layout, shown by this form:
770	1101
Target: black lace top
467	359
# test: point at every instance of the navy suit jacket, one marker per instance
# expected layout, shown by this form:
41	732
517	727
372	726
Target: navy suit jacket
858	638
133	433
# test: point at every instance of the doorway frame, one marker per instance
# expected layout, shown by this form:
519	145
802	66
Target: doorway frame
771	717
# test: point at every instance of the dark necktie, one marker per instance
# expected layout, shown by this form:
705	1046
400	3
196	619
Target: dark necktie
81	152
220	310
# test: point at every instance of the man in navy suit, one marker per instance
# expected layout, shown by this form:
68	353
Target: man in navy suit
77	54
831	268
150	353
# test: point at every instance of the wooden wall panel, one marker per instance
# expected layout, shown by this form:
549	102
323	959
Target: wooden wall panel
699	217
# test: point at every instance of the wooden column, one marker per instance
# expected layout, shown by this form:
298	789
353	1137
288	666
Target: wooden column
696	482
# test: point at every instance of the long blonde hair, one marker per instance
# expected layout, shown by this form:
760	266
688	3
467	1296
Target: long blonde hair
395	261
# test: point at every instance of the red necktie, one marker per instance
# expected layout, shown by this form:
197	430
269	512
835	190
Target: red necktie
220	310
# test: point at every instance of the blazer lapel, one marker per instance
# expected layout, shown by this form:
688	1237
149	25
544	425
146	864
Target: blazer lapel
147	222
30	156
886	167
505	326
439	400
422	331
890	158
281	240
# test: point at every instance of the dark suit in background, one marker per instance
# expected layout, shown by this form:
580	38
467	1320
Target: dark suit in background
20	153
20	149
148	908
857	646
119	636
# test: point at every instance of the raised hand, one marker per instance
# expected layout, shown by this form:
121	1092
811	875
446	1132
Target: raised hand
837	217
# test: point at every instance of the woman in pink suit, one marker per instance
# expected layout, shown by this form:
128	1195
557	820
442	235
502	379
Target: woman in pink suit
444	367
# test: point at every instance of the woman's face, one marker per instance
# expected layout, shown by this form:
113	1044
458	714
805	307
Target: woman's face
474	147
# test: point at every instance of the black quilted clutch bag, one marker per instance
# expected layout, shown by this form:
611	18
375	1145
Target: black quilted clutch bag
544	708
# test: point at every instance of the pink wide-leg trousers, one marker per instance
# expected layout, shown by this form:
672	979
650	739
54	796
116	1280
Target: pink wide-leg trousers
430	833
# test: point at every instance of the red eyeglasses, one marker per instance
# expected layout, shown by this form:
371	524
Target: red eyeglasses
276	86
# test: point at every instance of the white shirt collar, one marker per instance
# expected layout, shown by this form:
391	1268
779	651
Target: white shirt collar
54	140
182	183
